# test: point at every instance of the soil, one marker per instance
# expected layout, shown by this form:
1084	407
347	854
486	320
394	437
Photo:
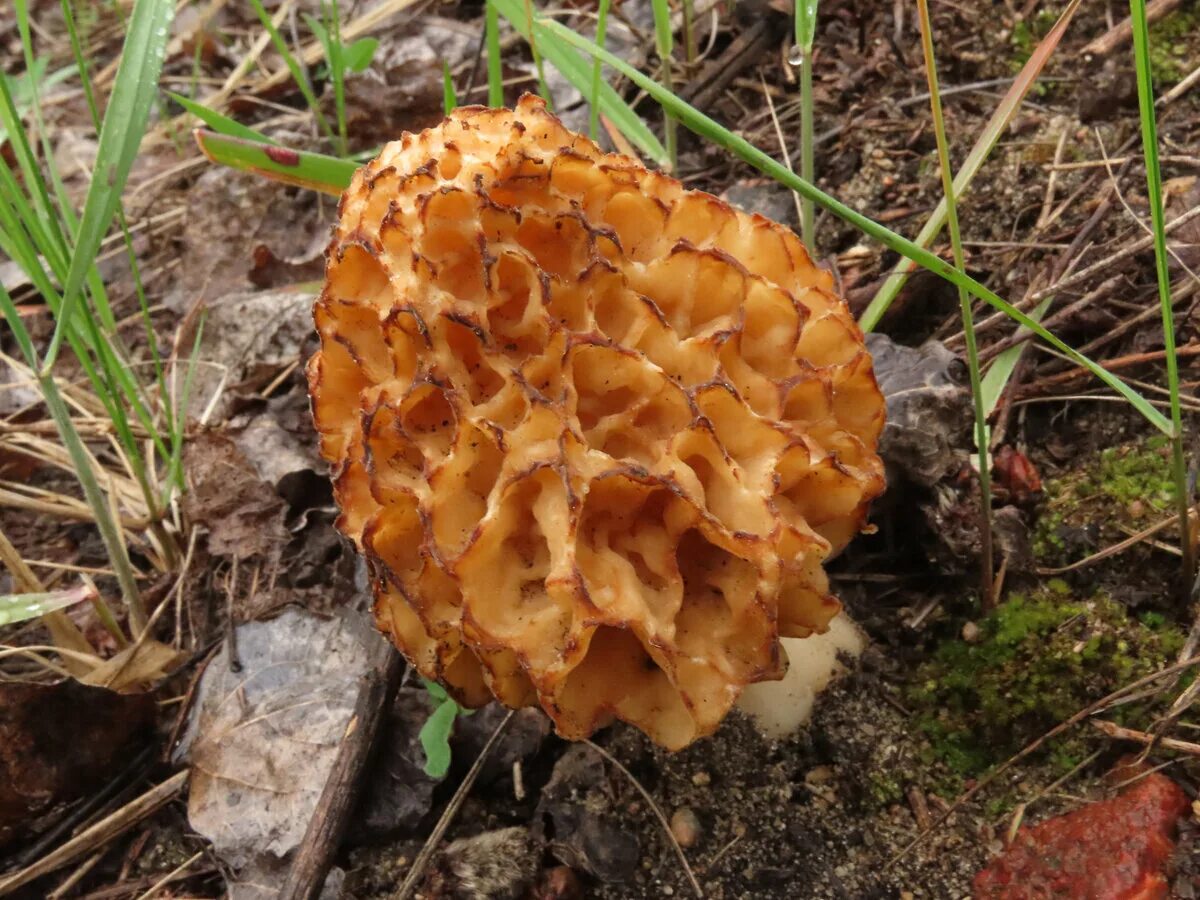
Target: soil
833	811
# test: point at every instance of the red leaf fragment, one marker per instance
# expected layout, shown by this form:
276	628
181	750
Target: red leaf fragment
1016	474
1109	850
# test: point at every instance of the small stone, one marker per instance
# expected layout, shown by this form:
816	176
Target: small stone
685	827
1136	509
971	633
819	775
906	895
701	779
668	891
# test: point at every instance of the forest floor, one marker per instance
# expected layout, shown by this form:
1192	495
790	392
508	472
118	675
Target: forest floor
864	802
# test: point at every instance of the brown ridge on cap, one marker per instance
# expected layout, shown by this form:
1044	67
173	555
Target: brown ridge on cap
629	538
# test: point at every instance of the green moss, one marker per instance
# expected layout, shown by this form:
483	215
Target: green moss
1038	660
1118	485
884	789
1173	45
1026	35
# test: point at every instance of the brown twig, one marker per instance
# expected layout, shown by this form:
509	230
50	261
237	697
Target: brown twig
1123	32
1112	365
1113	730
714	77
376	688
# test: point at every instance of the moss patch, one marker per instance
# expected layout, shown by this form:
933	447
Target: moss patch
1128	485
1039	659
1174	43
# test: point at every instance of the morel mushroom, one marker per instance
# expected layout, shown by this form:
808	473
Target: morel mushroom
594	433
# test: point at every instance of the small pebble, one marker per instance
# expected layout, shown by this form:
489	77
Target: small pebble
970	633
701	779
1136	509
685	826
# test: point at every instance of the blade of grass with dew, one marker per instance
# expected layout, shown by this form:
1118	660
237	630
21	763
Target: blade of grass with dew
23	607
664	44
982	442
987	140
806	31
707	128
449	96
495	69
578	72
594	96
1145	89
120	137
293	66
315	171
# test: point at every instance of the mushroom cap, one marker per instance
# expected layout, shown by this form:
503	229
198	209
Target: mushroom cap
594	433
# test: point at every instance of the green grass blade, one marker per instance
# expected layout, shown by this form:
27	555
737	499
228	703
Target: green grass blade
219	123
495	70
664	42
543	88
806	24
806	31
747	152
982	442
577	71
1145	90
110	532
996	378
293	66
23	607
987	140
594	95
337	68
54	240
449	96
121	135
314	171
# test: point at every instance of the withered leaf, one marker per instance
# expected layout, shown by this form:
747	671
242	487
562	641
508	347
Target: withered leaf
243	515
59	741
262	739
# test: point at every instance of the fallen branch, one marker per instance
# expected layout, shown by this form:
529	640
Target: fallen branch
325	829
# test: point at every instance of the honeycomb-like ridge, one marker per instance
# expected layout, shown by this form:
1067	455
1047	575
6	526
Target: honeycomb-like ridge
594	433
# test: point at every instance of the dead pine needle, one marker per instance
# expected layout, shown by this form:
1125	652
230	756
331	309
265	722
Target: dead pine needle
666	825
421	863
